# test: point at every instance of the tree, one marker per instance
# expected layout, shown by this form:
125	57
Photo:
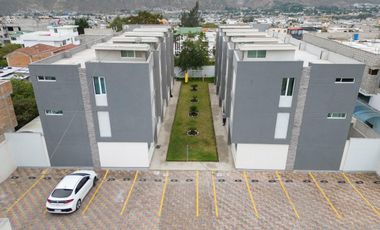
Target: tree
209	25
82	24
24	102
192	18
194	53
142	17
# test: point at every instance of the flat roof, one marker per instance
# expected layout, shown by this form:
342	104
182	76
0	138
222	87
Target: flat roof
240	30
247	34
235	26
247	47
254	39
135	39
122	46
151	29
143	33
45	36
78	58
370	45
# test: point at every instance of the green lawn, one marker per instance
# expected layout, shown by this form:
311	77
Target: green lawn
203	146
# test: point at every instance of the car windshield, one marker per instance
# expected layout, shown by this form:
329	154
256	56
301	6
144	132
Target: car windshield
62	193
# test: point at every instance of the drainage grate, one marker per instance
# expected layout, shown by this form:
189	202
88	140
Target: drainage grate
377	182
158	146
174	180
47	178
221	180
14	177
189	180
306	181
341	182
272	181
126	179
359	182
237	180
31	177
142	179
157	180
288	181
324	181
254	181
111	179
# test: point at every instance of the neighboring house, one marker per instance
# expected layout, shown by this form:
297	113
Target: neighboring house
8	120
102	103
22	57
55	36
182	33
288	103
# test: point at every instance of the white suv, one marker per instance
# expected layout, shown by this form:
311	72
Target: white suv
68	195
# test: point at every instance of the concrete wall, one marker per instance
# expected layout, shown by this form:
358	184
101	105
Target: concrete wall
8	164
321	142
66	136
256	100
362	154
206	71
32	152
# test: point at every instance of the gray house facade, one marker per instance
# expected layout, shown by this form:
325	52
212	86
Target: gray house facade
101	104
288	103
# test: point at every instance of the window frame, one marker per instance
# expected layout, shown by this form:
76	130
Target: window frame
258	53
128	51
343	80
44	78
51	112
102	87
336	115
287	92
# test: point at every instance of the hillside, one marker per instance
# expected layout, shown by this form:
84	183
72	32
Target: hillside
108	6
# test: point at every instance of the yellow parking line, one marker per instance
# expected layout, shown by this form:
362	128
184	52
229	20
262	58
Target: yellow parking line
215	200
250	195
96	191
287	195
324	194
43	173
361	195
196	194
129	193
163	194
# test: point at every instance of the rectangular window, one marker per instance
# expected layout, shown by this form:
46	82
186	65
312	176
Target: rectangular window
287	86
128	53
336	116
257	54
373	71
282	124
104	124
99	85
50	112
344	80
46	78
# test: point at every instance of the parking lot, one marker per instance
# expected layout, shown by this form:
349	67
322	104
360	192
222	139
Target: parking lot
199	200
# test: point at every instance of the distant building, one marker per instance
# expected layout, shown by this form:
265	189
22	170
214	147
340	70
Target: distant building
182	33
7	114
22	57
55	36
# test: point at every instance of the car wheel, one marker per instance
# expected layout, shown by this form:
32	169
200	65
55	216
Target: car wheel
79	203
94	183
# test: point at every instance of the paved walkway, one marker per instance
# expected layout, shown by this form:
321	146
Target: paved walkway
159	155
199	200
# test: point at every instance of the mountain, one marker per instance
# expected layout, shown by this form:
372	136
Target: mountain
109	6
